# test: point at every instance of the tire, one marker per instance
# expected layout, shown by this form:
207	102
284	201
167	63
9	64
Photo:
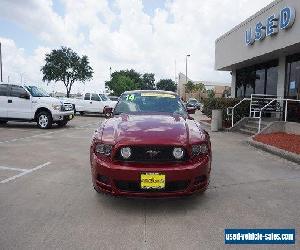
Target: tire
107	115
44	120
62	123
81	113
3	122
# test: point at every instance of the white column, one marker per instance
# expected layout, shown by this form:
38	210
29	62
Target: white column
281	76
233	83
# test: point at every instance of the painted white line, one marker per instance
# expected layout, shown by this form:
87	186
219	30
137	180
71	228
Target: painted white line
48	133
24	173
14	169
24	138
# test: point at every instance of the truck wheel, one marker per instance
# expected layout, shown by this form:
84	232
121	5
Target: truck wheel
44	120
81	113
61	123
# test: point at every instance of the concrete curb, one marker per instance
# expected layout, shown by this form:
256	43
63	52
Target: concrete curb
276	151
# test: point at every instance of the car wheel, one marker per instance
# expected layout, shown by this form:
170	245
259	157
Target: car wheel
44	120
81	113
3	122
62	123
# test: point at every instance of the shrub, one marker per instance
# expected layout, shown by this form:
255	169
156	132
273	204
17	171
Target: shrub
241	111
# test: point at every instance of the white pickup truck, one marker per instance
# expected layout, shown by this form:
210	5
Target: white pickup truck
91	103
32	104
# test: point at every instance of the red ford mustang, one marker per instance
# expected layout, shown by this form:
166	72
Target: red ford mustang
150	147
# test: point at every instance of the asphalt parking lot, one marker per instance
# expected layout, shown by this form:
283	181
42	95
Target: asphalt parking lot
47	200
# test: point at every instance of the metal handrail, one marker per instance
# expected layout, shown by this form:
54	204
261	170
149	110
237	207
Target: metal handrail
264	97
273	100
232	109
260	112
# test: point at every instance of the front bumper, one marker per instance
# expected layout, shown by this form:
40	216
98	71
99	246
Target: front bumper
121	179
61	116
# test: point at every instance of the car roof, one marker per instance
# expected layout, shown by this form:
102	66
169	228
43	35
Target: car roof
149	91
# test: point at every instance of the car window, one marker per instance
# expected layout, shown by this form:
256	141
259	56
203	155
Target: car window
147	102
95	97
16	91
3	89
87	96
104	97
37	92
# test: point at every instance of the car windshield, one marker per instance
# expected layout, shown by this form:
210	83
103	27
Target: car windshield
148	102
37	92
104	97
192	101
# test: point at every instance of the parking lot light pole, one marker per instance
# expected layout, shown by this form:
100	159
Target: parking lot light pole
186	77
1	79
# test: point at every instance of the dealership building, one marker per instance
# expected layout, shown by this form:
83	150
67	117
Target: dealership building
263	52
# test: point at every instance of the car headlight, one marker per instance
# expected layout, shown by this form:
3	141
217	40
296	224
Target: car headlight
103	149
178	153
56	107
199	149
126	152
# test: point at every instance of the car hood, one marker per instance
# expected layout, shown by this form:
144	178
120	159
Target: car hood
49	100
151	129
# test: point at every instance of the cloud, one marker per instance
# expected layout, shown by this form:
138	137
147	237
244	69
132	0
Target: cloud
121	34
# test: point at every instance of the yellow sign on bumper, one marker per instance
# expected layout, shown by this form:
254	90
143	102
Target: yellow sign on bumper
153	181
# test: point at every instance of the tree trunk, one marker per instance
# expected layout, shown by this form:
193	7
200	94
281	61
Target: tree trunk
69	88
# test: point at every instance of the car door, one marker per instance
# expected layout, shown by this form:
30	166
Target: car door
104	102
96	103
3	100
87	102
19	103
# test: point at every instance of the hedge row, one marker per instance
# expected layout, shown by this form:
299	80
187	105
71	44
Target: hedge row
241	111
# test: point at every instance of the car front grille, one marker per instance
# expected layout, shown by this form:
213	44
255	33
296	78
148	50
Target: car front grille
151	154
67	107
132	186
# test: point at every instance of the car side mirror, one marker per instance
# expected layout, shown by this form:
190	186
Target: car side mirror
190	110
108	112
24	96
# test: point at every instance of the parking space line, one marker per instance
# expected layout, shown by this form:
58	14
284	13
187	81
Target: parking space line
47	133
24	172
13	169
24	138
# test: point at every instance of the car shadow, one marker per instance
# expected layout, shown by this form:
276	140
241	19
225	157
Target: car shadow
178	205
20	125
90	115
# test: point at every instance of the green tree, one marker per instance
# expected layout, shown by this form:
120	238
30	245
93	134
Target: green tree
166	84
200	87
189	87
121	83
148	81
210	93
67	66
119	79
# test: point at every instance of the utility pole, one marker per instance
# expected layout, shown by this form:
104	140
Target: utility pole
21	76
1	76
186	77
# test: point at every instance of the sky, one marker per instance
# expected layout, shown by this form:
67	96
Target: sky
146	35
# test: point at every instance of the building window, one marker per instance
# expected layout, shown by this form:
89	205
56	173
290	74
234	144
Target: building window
292	85
257	79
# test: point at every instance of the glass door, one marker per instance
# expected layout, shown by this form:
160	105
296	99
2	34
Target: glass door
292	86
